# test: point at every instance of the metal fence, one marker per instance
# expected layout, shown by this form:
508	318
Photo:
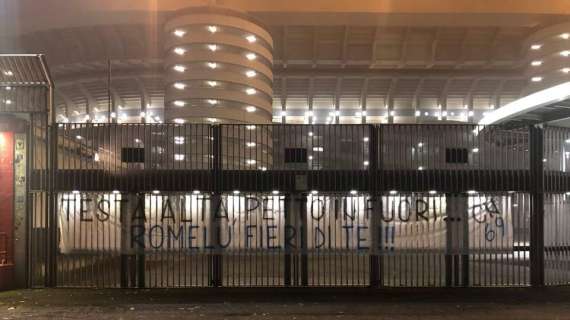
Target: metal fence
193	205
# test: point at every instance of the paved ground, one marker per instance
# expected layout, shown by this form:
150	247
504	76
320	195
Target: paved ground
465	304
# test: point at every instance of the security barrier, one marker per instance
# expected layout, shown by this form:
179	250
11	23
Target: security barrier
193	205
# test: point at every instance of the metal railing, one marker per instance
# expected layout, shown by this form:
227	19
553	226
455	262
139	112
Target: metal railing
179	205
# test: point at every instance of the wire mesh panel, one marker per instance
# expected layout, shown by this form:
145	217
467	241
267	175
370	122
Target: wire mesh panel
557	239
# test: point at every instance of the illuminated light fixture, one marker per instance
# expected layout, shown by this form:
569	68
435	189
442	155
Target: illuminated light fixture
470	113
275	192
251	38
566	70
180	51
310	157
565	36
420	144
212	65
236	192
250	162
353	192
212	120
565	53
263	168
318	149
142	114
420	168
113	115
536	63
311	133
337	113
179	86
79	137
213	84
213	102
196	192
418	113
392	113
251	56
475	150
179	68
179	140
96	109
536	47
116	191
250	91
536	79
366	139
76	112
179	103
179	121
250	127
393	192
250	73
366	163
426	113
137	140
358	114
212	29
364	113
444	113
492	106
544	160
250	144
213	47
8	73
179	157
314	192
471	192
155	191
8	88
179	33
8	101
75	191
432	192
283	113
250	109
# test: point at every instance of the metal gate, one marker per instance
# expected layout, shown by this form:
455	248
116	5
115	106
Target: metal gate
170	205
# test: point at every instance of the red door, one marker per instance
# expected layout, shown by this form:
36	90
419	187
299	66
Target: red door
6	209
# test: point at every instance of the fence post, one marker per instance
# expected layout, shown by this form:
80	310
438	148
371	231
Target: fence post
216	203
51	151
536	148
375	207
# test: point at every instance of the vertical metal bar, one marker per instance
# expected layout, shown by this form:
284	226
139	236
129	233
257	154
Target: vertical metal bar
537	206
216	203
375	276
